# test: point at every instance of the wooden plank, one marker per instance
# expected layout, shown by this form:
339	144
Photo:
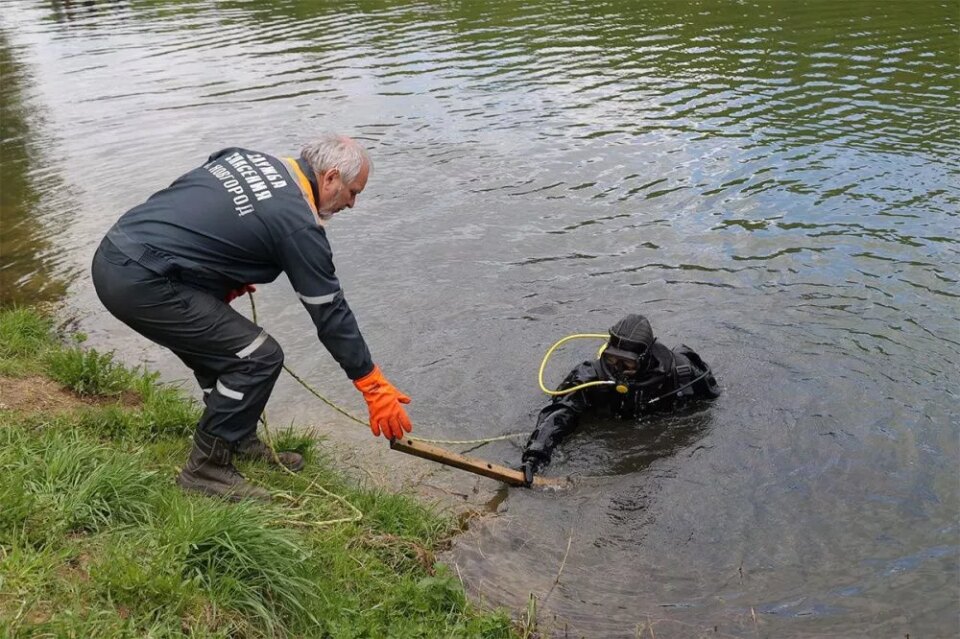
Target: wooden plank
510	476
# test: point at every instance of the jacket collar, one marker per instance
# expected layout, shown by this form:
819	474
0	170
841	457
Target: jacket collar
307	186
311	178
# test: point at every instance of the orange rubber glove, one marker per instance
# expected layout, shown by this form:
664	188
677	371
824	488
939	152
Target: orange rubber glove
384	403
237	292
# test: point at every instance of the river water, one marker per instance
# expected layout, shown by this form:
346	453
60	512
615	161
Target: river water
773	183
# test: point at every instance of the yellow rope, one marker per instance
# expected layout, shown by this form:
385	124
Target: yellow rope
485	440
321	397
357	513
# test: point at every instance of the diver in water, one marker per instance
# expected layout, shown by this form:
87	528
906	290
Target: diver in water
634	375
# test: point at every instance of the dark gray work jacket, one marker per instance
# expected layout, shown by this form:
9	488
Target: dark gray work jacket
243	218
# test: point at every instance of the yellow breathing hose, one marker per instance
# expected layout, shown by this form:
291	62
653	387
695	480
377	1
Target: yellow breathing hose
564	340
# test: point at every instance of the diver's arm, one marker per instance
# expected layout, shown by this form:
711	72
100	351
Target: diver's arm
559	418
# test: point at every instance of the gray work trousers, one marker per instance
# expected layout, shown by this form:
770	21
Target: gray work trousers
235	362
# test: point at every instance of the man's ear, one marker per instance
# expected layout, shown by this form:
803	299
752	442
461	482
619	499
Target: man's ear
331	175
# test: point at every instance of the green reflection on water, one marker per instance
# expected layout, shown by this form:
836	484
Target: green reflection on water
26	277
874	75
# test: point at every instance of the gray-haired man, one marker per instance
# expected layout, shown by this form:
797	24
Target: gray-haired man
169	267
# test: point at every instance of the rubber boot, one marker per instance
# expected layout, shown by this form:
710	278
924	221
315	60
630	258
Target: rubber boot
210	471
252	447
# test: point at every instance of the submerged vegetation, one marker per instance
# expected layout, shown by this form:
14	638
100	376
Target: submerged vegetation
97	541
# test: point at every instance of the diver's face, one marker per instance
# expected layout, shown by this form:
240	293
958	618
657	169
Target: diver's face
622	367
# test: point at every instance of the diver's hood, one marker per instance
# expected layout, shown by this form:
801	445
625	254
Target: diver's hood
632	333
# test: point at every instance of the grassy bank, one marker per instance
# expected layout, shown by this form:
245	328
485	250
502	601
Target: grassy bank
97	541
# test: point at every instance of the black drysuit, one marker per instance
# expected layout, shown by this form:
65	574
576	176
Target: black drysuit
670	377
166	266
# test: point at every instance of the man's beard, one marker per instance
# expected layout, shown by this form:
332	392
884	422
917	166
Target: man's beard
326	214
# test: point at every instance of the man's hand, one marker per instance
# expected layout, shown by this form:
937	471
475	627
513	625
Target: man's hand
237	292
384	404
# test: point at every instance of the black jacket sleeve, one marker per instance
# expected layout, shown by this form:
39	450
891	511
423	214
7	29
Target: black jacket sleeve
561	416
308	262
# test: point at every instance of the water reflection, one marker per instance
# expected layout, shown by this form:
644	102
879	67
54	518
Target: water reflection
27	273
632	450
67	10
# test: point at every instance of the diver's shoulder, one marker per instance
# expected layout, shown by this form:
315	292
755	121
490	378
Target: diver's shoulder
685	351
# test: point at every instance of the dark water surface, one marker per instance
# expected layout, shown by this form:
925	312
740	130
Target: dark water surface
773	183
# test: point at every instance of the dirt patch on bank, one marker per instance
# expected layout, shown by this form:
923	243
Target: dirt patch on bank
39	394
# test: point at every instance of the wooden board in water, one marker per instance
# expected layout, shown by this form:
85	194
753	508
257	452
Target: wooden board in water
469	464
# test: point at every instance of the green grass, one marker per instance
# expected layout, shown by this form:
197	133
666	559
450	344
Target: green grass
87	372
96	540
59	482
24	336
